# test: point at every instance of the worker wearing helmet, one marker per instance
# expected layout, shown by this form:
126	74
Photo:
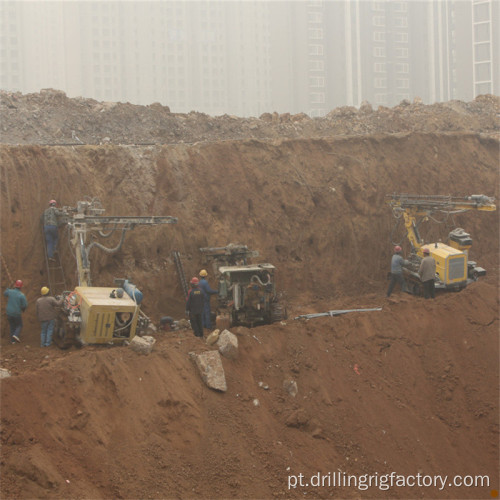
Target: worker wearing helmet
46	312
16	305
396	276
205	286
427	273
51	218
194	307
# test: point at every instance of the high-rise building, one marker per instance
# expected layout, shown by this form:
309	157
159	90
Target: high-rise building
246	58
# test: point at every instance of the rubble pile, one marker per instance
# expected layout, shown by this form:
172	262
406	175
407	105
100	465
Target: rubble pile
51	118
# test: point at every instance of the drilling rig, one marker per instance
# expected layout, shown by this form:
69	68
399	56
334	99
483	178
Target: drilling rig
454	270
247	292
100	315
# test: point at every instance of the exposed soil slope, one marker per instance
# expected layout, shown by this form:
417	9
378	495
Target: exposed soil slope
412	388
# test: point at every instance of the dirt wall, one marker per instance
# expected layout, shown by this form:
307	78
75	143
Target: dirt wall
314	208
412	388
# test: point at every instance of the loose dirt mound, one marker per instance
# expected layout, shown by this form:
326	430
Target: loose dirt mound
411	389
50	117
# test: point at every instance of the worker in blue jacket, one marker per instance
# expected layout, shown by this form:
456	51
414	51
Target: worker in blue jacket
16	305
397	263
194	307
205	286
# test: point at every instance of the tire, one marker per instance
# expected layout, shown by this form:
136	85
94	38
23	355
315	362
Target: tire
60	336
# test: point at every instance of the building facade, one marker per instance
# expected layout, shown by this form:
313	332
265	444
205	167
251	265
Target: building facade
246	58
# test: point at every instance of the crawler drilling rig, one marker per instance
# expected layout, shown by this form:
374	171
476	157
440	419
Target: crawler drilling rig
99	315
454	270
247	292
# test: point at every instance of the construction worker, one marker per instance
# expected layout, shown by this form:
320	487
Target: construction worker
46	311
16	305
427	273
204	285
397	263
194	307
50	222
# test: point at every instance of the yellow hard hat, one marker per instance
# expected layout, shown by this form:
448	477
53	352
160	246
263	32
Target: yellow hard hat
203	272
44	290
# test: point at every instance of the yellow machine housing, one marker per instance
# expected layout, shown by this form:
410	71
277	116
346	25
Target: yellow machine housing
451	264
106	320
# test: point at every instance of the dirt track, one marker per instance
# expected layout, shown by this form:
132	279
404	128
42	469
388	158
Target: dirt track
412	388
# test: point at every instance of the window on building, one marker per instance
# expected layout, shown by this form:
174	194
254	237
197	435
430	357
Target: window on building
316	65
482	52
381	99
380	83
378	51
377	6
401	22
315	50
401	52
483	88
317	81
401	37
379	36
378	21
315	17
316	34
402	83
481	11
402	68
400	7
379	67
316	97
483	72
481	32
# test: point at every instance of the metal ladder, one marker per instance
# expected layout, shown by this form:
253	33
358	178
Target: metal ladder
180	272
55	272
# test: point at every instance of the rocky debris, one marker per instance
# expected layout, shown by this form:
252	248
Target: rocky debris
228	345
4	373
213	337
50	117
209	365
183	324
291	387
142	345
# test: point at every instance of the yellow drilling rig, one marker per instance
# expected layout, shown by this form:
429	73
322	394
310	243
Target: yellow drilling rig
99	315
454	270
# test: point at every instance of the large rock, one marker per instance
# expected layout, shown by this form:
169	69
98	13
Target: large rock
209	365
228	344
4	373
143	345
